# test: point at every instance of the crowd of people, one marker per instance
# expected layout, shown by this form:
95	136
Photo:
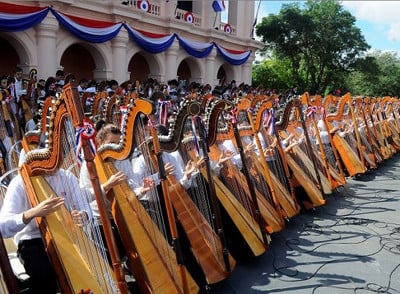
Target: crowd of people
22	101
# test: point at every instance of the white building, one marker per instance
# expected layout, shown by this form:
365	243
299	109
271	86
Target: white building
50	45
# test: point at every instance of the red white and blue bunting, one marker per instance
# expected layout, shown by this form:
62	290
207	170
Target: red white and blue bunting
153	43
235	57
93	31
195	49
15	18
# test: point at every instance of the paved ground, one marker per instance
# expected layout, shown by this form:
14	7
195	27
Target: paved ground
350	245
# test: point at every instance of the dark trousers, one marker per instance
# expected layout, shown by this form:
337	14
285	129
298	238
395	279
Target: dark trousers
33	256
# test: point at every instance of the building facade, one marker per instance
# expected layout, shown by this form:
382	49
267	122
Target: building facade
51	45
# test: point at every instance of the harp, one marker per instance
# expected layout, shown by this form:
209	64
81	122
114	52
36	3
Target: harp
238	179
245	223
9	131
392	123
326	154
153	261
258	171
348	142
300	161
383	106
274	167
8	282
199	214
51	171
367	137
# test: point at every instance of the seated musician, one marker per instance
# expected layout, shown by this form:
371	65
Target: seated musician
171	165
17	220
109	134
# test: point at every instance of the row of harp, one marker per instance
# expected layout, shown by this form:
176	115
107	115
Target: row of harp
257	161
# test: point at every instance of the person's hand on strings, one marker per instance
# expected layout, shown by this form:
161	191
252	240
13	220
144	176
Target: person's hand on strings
114	180
79	217
44	208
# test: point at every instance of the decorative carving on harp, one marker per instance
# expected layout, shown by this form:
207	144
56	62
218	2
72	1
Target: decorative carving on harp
73	250
290	127
240	216
346	138
156	265
196	207
326	157
114	109
274	166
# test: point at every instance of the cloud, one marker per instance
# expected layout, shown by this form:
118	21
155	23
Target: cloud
379	12
383	14
394	32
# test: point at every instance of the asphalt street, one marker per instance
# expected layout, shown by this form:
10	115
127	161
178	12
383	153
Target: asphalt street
350	245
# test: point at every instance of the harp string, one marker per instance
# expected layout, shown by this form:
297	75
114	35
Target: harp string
152	200
198	192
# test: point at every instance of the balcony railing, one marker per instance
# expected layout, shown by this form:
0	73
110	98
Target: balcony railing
154	9
180	14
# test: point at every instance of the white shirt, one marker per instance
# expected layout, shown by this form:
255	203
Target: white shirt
85	182
16	202
228	145
141	171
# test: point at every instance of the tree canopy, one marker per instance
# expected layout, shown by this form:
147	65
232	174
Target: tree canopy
318	45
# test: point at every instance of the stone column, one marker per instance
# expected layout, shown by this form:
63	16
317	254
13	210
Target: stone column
119	52
171	66
246	69
210	76
47	47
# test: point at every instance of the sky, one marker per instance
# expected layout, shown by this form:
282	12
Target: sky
379	21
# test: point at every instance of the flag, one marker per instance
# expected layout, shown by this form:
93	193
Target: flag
218	5
253	27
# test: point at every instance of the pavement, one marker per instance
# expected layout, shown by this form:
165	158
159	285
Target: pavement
349	245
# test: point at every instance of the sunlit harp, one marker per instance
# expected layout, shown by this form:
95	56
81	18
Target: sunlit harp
153	260
72	250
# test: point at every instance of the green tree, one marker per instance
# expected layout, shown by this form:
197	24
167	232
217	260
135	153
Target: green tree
320	42
376	75
272	74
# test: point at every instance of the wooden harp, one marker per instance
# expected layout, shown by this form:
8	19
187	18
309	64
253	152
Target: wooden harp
152	259
78	263
207	246
302	167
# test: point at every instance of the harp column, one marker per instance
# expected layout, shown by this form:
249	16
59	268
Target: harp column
119	52
47	46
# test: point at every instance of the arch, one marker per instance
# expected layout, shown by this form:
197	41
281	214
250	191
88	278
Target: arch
100	53
190	69
225	72
143	65
18	50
